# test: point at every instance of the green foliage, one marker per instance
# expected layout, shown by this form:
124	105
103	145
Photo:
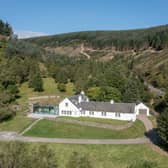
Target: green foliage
61	76
162	124
61	87
17	154
134	90
78	160
101	80
94	93
36	82
5	113
160	105
5	28
166	96
110	93
104	93
22	49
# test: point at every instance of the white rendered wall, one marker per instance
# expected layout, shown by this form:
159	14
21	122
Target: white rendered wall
71	107
141	106
112	115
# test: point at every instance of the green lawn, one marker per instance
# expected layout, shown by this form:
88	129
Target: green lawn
53	129
107	156
98	120
17	124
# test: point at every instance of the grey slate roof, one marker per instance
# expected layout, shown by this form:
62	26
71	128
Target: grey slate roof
102	106
108	107
74	99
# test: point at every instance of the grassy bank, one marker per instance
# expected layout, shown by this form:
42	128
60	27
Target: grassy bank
53	129
17	124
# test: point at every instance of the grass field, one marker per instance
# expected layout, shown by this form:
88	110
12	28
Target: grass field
110	156
98	120
53	129
105	156
17	124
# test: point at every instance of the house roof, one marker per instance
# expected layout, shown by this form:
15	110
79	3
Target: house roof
101	106
108	107
75	99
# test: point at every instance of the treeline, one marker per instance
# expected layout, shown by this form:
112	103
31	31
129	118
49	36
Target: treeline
5	28
140	39
21	155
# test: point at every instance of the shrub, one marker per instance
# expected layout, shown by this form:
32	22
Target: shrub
61	87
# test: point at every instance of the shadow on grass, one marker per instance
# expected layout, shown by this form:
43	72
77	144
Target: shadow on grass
156	140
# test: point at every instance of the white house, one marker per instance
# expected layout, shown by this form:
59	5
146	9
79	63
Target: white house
79	105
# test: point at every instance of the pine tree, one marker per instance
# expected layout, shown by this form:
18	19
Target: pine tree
37	82
163	127
131	91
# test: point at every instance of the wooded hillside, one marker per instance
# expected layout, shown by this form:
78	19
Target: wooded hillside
156	37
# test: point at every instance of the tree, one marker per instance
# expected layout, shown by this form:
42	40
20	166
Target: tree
132	90
5	28
78	160
94	93
5	112
162	130
61	87
110	93
37	82
61	76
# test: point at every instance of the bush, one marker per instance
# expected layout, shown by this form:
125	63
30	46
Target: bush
5	113
61	87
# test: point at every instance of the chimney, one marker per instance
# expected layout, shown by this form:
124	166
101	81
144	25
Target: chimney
82	92
79	99
112	101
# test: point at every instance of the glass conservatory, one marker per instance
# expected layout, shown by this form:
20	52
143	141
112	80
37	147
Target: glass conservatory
45	109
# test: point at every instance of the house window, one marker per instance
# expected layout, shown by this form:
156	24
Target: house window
103	113
117	114
82	112
69	113
66	104
62	112
91	113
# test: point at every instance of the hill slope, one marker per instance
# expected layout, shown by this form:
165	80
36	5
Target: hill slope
145	48
156	37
